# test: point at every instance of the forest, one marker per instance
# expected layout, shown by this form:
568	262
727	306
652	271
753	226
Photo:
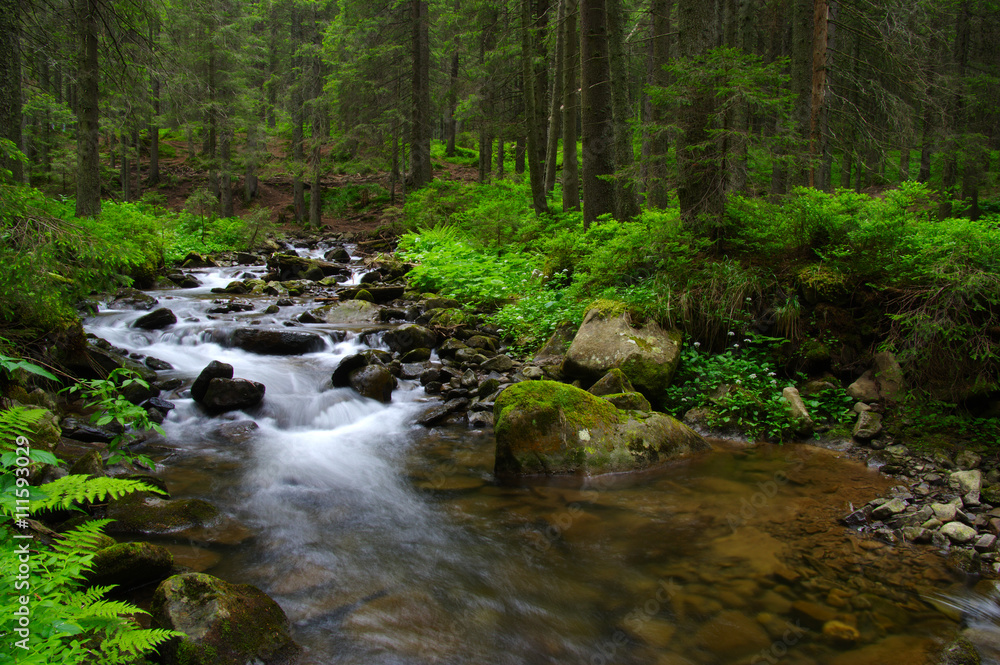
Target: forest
799	187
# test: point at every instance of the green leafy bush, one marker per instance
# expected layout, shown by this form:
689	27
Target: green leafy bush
740	389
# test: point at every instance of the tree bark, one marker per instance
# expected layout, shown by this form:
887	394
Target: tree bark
420	128
596	112
10	83
821	12
555	115
536	166
571	106
802	83
298	120
226	170
657	190
88	178
626	201
700	189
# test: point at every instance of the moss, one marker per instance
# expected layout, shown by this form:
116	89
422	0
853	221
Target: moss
364	294
548	398
629	401
608	308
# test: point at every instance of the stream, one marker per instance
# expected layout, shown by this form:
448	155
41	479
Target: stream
386	542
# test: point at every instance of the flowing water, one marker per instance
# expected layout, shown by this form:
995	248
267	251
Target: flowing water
386	542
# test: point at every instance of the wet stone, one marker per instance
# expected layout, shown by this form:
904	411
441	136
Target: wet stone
986	543
957	532
889	509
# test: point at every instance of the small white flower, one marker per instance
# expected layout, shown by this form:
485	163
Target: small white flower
771	374
753	376
746	341
736	346
697	344
731	333
738	382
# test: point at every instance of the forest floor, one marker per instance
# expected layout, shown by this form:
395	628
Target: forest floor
179	179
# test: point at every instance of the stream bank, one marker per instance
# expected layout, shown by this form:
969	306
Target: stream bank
382	533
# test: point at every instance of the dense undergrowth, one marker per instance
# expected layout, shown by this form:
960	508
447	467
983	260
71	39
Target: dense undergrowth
816	284
50	260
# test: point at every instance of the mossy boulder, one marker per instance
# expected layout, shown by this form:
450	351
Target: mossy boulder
352	311
128	565
450	317
629	401
546	427
224	624
142	512
648	355
408	337
374	381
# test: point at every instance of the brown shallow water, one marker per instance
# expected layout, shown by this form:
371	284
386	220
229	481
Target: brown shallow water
735	556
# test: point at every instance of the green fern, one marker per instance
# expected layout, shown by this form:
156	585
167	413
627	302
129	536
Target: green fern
69	624
64	492
17	422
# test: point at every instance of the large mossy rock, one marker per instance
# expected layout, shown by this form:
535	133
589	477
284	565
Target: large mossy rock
288	267
545	427
648	356
374	381
225	624
352	311
410	336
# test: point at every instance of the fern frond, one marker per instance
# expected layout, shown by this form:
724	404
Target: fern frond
15	422
81	538
139	641
111	609
64	492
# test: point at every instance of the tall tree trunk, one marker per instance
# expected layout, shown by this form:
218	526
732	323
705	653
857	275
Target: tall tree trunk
626	200
803	12
956	115
124	174
500	156
596	112
519	155
420	138
452	123
657	190
10	83
555	117
571	106
540	19
699	191
298	119
226	169
485	154
137	147
154	134
88	178
821	11
535	157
